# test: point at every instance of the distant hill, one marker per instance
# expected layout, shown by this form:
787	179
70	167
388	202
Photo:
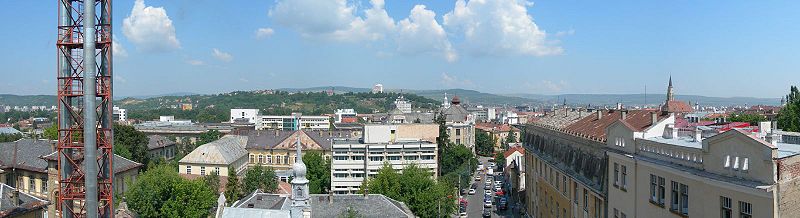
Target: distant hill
336	89
27	100
178	94
650	99
474	97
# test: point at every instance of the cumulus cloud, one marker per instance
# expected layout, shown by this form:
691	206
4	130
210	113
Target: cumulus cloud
565	33
117	49
263	33
150	28
222	56
312	17
420	32
499	27
452	81
544	86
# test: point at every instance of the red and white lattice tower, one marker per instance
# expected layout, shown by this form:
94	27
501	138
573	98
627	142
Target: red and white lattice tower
85	136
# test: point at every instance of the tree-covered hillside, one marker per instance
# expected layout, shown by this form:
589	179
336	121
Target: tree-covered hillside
216	108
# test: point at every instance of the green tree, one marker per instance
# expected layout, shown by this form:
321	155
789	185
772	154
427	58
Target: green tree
423	195
444	139
260	177
500	160
161	192
233	189
512	137
209	136
131	144
212	180
789	117
51	132
484	144
753	119
319	172
10	137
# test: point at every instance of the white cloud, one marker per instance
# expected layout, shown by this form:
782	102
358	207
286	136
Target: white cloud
544	86
263	33
452	81
222	56
499	27
195	62
150	28
421	33
565	33
117	49
313	17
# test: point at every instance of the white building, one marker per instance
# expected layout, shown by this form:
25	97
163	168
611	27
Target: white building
509	117
403	105
378	88
353	160
290	122
246	115
120	114
345	116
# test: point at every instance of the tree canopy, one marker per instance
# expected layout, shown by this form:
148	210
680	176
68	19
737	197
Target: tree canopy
208	136
484	143
789	116
161	192
233	189
319	172
260	177
423	195
131	144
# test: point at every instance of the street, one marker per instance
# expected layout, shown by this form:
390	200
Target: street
475	205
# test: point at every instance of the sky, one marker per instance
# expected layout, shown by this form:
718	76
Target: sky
712	48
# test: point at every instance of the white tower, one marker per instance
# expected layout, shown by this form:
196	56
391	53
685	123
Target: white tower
300	196
445	103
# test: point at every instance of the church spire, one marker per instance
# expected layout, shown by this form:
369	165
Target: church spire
670	94
300	192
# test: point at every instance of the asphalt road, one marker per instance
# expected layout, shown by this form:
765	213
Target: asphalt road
475	205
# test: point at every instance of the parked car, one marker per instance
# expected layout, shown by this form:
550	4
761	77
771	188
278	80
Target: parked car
487	192
502	204
471	191
487	204
487	213
477	178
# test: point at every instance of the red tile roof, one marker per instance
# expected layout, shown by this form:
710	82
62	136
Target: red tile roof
593	128
676	106
514	149
494	127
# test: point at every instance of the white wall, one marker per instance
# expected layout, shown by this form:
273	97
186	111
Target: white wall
250	114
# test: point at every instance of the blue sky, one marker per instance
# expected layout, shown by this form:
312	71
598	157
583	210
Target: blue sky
714	48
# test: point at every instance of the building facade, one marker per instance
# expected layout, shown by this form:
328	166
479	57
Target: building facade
216	157
161	147
354	160
291	122
275	148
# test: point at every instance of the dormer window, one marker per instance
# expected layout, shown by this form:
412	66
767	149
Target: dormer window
727	161
745	164
736	163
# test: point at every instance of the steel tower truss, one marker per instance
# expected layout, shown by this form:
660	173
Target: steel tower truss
74	188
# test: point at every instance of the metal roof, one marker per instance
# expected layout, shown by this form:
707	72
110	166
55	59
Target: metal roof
223	151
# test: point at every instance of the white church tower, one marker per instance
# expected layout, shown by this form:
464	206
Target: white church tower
300	196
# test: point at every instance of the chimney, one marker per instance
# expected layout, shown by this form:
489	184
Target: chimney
600	114
653	118
669	132
623	114
772	139
698	135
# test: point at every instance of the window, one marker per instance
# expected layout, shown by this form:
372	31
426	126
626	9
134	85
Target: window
278	159
725	207
684	199
680	198
674	196
411	157
393	157
616	213
202	171
44	184
624	177
616	174
188	169
458	141
376	159
358	157
727	161
252	158
585	200
340	157
598	209
564	184
340	175
745	210
575	192
736	163
216	170
662	191
427	157
657	189
745	164
458	132
261	158
31	184
269	159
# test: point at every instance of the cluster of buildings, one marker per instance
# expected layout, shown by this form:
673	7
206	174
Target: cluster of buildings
652	163
8	108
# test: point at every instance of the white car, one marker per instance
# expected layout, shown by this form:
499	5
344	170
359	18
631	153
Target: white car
487	192
471	191
477	178
487	204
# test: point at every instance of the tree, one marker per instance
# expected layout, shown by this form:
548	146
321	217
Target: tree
350	213
51	132
753	119
260	177
131	144
484	143
444	139
233	189
212	180
209	136
789	117
388	183
161	192
500	160
319	172
512	137
10	137
423	195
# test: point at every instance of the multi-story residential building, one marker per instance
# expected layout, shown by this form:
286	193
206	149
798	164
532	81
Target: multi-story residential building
395	145
402	104
120	114
20	204
460	124
294	121
275	148
217	156
499	132
345	116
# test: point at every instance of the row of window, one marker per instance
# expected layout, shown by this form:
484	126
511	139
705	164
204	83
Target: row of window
202	170
381	158
563	185
726	208
619	141
620	176
733	163
276	159
687	156
679	194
